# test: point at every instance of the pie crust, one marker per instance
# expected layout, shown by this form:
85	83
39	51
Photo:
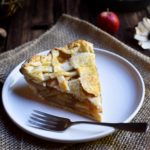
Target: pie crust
67	78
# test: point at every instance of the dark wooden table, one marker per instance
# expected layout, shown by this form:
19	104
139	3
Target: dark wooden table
23	25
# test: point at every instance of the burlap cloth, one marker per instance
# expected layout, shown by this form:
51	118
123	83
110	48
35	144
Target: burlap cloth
67	29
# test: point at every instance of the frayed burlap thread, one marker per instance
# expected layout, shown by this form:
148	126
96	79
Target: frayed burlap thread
67	29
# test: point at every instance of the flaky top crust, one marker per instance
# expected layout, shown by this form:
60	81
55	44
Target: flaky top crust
70	69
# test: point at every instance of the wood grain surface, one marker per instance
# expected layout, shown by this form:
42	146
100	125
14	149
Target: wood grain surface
37	16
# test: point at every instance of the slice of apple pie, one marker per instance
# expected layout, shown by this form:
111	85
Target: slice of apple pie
67	78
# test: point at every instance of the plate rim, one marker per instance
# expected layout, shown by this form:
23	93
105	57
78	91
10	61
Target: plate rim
108	132
139	76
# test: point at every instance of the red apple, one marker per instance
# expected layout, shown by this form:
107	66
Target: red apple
108	21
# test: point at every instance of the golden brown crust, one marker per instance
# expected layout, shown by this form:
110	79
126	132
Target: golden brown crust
70	69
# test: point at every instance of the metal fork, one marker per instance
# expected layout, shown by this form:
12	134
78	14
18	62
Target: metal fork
44	121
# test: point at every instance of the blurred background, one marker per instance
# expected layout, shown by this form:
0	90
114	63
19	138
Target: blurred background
25	20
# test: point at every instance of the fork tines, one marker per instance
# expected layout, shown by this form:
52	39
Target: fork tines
44	121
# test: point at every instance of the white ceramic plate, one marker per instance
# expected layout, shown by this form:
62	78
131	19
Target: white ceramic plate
122	91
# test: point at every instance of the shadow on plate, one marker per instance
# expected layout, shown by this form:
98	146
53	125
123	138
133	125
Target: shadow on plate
25	92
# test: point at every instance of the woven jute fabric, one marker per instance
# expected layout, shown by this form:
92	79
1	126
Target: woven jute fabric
66	30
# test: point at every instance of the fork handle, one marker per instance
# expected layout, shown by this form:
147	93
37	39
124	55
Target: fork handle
133	127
